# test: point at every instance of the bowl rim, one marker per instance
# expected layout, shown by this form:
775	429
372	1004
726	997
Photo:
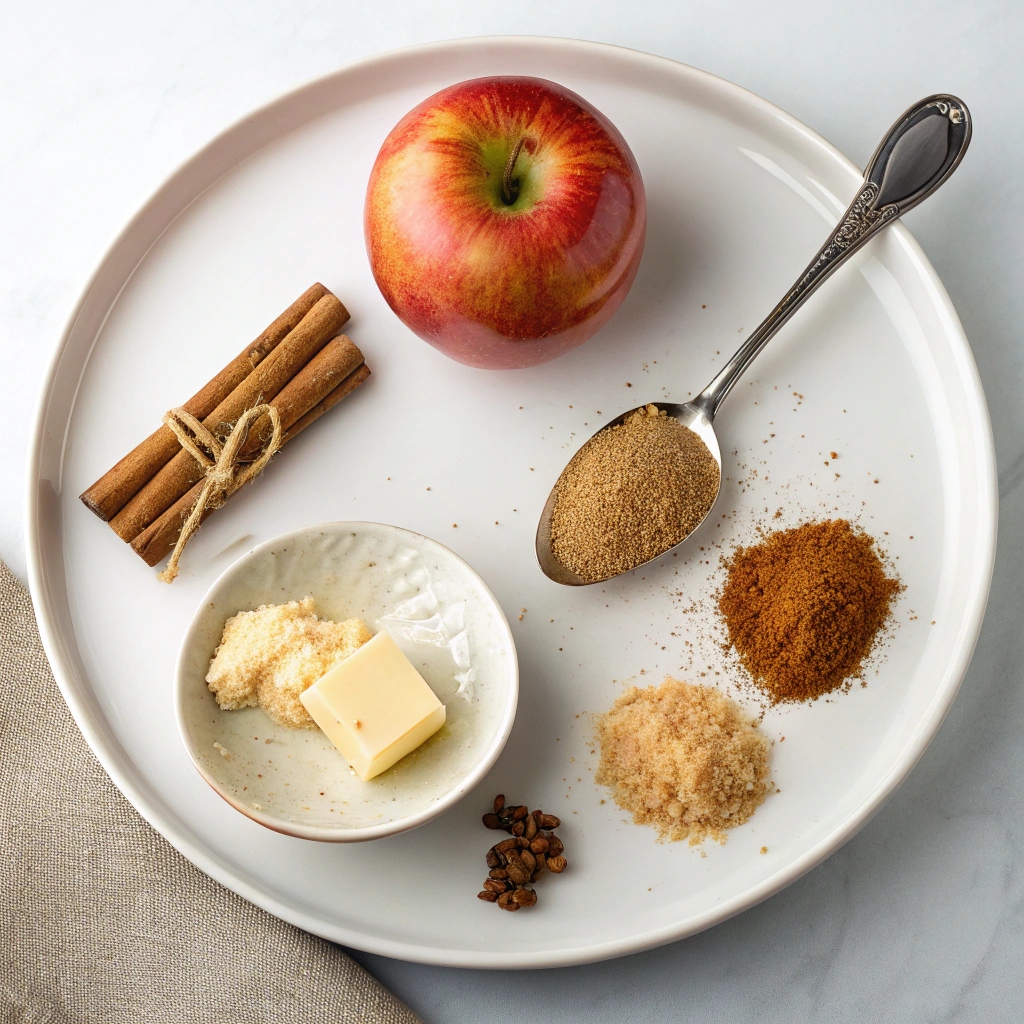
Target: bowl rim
351	833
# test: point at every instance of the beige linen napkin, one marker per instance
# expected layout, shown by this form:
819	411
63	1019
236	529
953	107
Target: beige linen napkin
102	921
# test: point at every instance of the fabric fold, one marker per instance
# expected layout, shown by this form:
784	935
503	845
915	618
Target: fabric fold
102	921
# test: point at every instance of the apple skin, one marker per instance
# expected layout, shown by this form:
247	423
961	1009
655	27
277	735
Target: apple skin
502	285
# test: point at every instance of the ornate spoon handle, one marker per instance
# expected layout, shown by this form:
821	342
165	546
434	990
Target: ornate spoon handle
919	152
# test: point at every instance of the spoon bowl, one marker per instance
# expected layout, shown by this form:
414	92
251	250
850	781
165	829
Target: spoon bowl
918	153
690	415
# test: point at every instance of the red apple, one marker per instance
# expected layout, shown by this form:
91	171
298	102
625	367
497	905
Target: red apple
497	259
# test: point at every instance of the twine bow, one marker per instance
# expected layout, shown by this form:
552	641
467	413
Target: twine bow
226	471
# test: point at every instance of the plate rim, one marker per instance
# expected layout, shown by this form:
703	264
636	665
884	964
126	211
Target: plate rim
162	818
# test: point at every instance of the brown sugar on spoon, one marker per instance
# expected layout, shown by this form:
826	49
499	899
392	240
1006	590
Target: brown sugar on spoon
633	491
804	607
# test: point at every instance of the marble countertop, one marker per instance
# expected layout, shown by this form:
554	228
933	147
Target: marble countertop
921	916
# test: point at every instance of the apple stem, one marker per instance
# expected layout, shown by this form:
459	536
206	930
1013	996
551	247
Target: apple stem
510	188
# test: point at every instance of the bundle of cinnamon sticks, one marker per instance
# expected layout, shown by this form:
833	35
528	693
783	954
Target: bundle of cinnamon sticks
300	365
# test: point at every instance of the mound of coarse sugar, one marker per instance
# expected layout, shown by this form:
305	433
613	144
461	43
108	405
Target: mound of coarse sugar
267	657
684	759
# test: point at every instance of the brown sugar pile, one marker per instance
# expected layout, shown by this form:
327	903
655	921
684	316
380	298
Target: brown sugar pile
630	493
684	759
804	606
269	656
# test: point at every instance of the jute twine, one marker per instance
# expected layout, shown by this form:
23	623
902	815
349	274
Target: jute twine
225	471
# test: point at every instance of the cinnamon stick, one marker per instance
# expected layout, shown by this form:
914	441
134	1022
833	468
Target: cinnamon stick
174	479
312	384
346	387
156	542
120	484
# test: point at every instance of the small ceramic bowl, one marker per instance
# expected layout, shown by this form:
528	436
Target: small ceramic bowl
439	612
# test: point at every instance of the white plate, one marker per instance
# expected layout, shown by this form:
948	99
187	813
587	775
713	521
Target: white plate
740	196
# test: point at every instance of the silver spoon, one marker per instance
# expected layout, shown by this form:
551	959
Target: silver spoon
919	152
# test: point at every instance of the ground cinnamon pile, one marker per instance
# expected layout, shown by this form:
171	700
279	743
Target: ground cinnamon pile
804	606
684	759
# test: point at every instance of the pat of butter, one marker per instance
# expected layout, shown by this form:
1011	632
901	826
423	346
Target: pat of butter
374	706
